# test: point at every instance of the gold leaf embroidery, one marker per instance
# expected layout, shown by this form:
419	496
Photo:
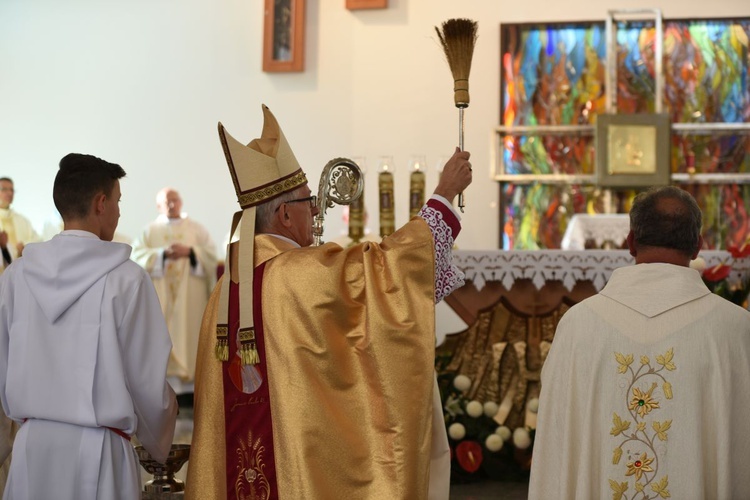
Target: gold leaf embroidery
661	487
667	390
619	425
616	456
666	360
642	402
661	429
619	489
624	361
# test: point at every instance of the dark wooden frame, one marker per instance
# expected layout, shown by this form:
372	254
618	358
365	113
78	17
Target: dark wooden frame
292	39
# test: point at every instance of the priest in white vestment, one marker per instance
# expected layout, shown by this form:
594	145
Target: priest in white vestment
83	351
5	258
180	256
16	228
646	390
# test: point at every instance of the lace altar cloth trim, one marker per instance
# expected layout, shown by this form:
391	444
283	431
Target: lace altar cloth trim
540	266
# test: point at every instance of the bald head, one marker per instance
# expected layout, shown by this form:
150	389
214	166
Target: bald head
667	218
169	203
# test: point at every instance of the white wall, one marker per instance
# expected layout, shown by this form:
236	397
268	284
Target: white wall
144	82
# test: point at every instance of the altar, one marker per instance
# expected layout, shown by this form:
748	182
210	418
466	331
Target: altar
537	281
512	302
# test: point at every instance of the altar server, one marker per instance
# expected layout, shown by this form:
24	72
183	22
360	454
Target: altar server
324	385
646	389
83	351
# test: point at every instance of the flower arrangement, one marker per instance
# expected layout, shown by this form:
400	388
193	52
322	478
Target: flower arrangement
716	277
480	447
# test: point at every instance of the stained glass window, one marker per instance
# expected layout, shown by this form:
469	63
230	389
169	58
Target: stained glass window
553	85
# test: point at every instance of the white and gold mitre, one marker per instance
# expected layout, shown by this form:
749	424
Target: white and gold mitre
261	170
265	168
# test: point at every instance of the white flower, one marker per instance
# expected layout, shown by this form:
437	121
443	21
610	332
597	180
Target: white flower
503	432
490	408
474	409
493	442
699	264
462	383
453	406
521	438
533	405
457	431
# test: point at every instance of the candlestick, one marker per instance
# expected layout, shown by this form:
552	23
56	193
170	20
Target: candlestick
416	185
385	188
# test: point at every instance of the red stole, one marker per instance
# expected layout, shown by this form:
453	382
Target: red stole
250	465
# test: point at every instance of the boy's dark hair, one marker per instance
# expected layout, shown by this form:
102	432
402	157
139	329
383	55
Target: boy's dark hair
79	179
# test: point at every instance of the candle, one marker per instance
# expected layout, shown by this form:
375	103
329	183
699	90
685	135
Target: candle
385	189
416	185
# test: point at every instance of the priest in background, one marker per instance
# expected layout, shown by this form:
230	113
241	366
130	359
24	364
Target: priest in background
5	258
316	371
646	390
180	257
15	229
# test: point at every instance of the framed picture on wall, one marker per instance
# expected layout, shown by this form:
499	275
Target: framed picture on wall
632	150
284	36
366	4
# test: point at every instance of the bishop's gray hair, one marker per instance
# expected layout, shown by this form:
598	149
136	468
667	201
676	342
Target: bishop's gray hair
264	213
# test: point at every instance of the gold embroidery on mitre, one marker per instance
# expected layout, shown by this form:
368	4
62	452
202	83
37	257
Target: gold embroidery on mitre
248	350
265	193
642	404
264	168
221	350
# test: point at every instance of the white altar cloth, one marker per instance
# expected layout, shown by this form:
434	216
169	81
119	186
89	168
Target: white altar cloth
600	228
540	266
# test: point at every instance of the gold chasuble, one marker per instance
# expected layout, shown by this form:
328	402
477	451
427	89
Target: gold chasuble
340	404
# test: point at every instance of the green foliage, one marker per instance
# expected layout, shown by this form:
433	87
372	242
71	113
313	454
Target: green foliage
737	294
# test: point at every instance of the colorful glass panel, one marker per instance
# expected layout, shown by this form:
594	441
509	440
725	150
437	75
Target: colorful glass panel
554	74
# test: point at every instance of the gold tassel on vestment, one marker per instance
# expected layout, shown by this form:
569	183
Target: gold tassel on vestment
248	351
222	343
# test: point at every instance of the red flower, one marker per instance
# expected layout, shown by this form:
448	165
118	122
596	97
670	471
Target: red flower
740	252
469	454
717	272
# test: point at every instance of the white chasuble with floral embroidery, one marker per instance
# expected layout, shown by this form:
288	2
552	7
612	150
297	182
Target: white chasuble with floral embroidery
646	393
